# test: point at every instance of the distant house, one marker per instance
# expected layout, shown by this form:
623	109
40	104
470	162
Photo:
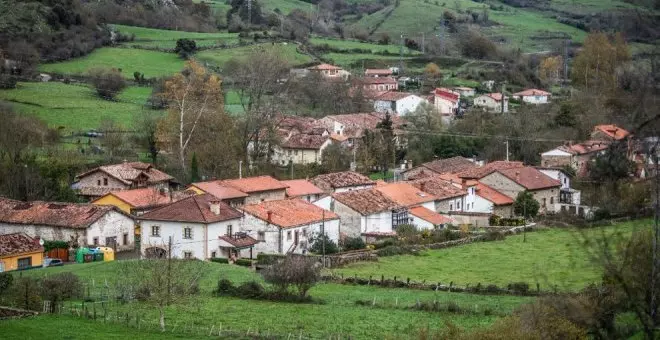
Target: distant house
131	175
424	218
368	213
259	188
440	166
19	251
407	195
465	91
378	84
195	226
400	103
139	201
301	149
567	194
479	172
532	96
373	72
511	182
233	197
492	102
330	71
492	201
576	156
352	126
336	182
447	196
288	226
303	189
609	132
81	224
446	101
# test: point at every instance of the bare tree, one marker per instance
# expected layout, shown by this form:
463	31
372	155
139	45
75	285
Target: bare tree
299	271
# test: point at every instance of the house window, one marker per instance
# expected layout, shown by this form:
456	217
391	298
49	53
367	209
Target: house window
458	205
98	182
105	181
565	181
288	235
543	204
95	241
125	238
25	262
399	217
552	200
213	254
261	236
229	230
155	230
451	207
187	233
304	232
187	255
295	152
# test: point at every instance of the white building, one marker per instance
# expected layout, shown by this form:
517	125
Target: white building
492	102
532	96
367	213
491	201
301	149
424	218
400	103
446	101
330	71
465	91
288	226
303	189
567	194
78	224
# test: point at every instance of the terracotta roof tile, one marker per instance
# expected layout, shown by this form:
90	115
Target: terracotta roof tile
220	191
440	188
430	216
405	194
334	180
584	147
450	165
239	240
305	141
254	184
530	178
482	171
18	243
68	215
377	71
446	94
301	187
289	213
366	201
532	92
147	197
612	131
393	96
196	209
492	195
324	67
129	172
377	80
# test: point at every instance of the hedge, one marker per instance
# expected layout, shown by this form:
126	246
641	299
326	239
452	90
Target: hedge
244	262
220	260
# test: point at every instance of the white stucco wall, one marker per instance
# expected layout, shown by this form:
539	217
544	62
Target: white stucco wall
535	99
482	205
421	224
490	104
377	223
469	202
444	106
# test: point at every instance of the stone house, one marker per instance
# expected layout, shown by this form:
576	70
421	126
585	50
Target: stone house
130	175
440	166
233	197
400	103
577	156
492	102
511	182
367	213
259	188
303	189
330	71
609	132
288	226
80	224
532	96
301	148
336	182
567	195
407	195
492	201
447	196
378	84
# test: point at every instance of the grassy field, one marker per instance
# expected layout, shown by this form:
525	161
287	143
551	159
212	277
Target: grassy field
220	56
347	60
75	107
549	257
167	39
151	63
354	44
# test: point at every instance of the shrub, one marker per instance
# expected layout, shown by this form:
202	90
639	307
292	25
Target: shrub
185	47
385	243
354	243
519	287
244	262
107	82
492	289
225	287
59	287
143	293
250	290
318	245
6	280
299	271
494	236
220	260
394	250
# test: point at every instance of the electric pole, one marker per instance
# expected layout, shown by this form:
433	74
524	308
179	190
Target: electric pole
507	149
503	98
401	56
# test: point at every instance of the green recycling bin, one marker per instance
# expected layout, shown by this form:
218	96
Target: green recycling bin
98	257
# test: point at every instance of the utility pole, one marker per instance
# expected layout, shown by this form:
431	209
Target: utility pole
401	56
507	149
503	98
240	169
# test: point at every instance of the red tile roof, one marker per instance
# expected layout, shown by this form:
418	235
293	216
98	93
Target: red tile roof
430	216
483	171
438	187
405	194
584	147
451	165
532	92
244	241
612	131
496	96
492	195
146	197
378	71
67	215
324	67
301	187
289	213
378	80
18	243
393	96
366	201
530	178
344	179
254	184
220	191
196	209
447	95
305	141
129	172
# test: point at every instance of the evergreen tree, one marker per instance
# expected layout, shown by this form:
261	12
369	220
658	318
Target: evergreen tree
194	169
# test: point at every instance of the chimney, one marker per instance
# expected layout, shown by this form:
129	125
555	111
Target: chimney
463	182
215	207
410	164
422	186
270	215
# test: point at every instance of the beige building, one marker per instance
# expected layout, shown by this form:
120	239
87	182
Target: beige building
259	189
492	102
301	149
130	175
511	182
576	156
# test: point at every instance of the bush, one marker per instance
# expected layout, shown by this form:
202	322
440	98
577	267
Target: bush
494	236
268	259
394	250
225	287
385	243
519	287
354	243
250	290
299	271
6	280
220	260
185	47
318	248
107	82
59	287
244	262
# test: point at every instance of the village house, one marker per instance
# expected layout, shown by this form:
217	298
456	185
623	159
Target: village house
303	189
194	226
424	218
377	84
446	101
19	251
99	181
609	132
288	226
492	102
259	188
367	213
468	186
511	182
336	182
567	195
492	201
447	196
439	166
421	205
301	149
400	103
139	201
465	91
532	96
479	172
377	72
233	197
80	224
577	156
351	127
330	71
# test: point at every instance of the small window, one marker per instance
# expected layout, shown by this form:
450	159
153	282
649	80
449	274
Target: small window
565	180
552	200
451	207
187	233
229	230
24	263
543	204
125	238
98	182
296	152
261	236
458	205
95	241
304	232
187	255
155	230
105	181
213	254
288	235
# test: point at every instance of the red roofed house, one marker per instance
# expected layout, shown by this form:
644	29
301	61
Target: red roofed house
448	196
233	197
301	148
407	195
197	226
130	175
378	83
330	71
446	101
376	72
511	182
19	251
532	96
80	224
451	165
609	132
335	182
367	213
303	189
259	188
492	201
492	102
424	218
400	103
139	201
288	226
576	156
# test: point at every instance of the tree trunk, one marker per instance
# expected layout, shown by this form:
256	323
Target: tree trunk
162	319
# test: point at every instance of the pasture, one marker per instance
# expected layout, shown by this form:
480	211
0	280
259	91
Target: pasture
219	57
166	39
